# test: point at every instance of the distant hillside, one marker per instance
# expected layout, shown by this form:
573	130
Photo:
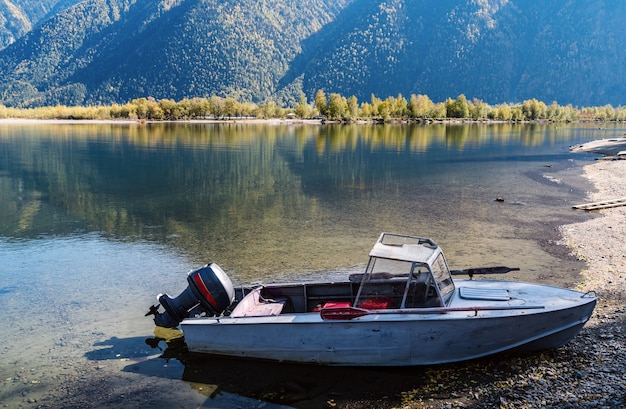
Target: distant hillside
105	51
497	51
102	51
237	48
18	17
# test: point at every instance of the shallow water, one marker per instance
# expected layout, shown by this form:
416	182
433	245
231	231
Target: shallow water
96	220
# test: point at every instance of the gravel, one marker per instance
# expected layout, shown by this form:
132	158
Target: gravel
601	241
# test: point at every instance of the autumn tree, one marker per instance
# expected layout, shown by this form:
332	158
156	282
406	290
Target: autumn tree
216	106
337	106
321	103
457	108
269	110
302	108
533	110
501	113
140	107
353	108
376	106
517	114
439	110
198	107
366	110
384	109
170	109
398	106
420	106
230	107
478	109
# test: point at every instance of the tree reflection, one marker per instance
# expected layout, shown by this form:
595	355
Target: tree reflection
254	197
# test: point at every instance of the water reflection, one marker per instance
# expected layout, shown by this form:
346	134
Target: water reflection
259	198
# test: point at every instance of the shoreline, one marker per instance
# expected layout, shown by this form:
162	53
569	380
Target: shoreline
600	241
292	121
126	121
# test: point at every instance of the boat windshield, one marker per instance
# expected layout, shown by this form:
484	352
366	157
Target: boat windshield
442	276
391	284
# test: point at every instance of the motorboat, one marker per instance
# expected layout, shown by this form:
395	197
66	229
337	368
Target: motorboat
405	309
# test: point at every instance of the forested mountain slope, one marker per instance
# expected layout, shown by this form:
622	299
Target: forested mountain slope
105	51
498	51
17	17
100	51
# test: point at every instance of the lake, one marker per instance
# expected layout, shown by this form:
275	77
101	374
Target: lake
96	219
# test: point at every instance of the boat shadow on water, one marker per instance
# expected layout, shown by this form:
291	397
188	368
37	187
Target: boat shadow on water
290	384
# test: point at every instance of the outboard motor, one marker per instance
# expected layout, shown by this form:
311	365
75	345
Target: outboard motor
209	290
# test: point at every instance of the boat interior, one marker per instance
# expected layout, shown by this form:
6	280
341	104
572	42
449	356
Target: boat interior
375	292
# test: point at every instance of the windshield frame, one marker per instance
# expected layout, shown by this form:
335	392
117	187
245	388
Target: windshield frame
400	284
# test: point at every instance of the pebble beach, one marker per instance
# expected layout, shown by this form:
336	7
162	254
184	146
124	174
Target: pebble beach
601	243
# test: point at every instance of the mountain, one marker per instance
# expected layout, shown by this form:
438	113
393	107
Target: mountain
19	16
107	51
498	51
103	51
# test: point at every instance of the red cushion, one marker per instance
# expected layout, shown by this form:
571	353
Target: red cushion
332	305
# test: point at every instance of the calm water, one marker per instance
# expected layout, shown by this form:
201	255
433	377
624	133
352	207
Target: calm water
96	219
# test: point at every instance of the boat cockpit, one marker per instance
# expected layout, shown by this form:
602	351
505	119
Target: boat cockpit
399	284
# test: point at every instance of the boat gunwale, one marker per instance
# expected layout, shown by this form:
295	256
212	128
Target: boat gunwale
393	315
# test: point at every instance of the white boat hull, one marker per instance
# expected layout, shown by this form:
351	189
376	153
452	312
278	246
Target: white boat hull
536	317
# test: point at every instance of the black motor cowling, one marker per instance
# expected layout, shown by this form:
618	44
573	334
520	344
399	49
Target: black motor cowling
209	290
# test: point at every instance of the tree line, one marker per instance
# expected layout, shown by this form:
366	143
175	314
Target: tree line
331	107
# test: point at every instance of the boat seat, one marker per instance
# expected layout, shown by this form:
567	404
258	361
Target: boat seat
380	303
253	305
